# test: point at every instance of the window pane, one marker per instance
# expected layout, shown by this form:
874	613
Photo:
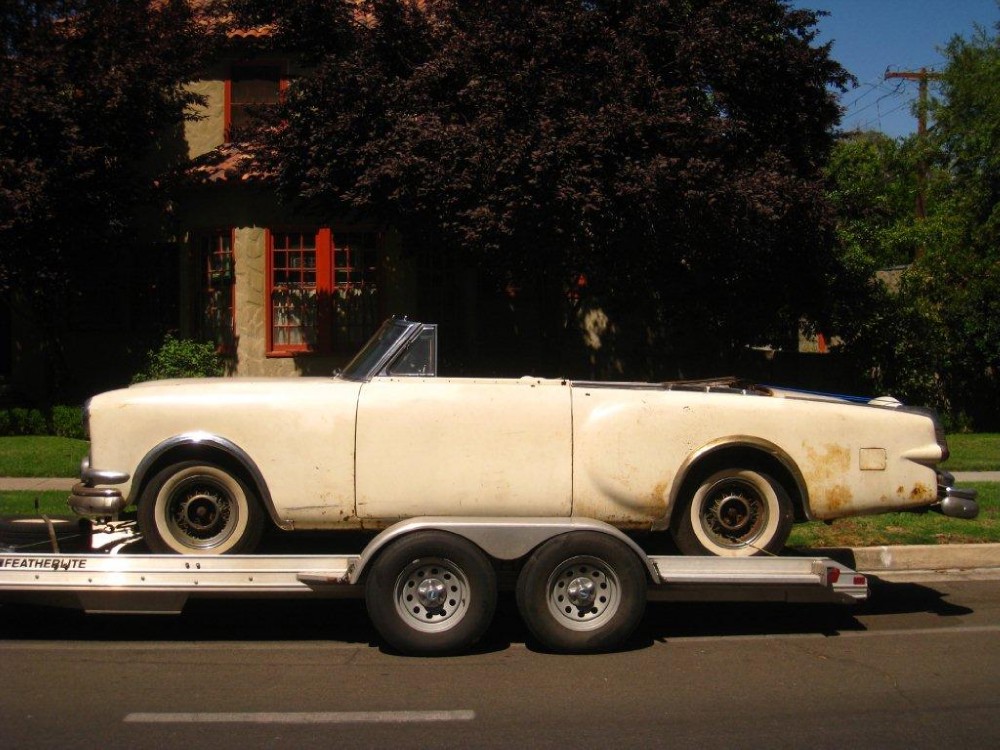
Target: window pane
356	310
252	86
293	290
215	297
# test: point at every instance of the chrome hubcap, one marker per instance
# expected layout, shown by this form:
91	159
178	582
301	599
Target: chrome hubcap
734	514
583	593
432	594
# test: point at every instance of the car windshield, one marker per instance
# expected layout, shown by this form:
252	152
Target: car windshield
374	352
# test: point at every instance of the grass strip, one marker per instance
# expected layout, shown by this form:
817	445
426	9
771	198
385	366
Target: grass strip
907	528
41	456
974	452
22	503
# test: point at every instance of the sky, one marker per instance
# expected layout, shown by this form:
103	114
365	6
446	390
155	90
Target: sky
872	36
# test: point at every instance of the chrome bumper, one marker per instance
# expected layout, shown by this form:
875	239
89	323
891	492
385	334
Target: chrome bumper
956	502
96	502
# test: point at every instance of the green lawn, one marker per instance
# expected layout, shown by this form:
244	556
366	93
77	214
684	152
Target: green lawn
907	528
41	456
23	503
974	452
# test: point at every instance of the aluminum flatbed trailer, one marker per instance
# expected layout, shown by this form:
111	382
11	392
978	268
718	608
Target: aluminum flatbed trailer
430	584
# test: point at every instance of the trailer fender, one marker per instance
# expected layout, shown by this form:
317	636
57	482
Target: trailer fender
500	538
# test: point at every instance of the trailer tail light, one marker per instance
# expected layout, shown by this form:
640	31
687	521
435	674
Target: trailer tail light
860	581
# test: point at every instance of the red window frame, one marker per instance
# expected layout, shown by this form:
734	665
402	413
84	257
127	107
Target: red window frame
294	264
332	272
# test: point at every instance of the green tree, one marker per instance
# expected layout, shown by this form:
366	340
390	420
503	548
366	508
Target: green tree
931	333
88	91
963	273
669	153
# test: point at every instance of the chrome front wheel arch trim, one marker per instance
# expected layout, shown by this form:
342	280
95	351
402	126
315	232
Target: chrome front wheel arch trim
210	442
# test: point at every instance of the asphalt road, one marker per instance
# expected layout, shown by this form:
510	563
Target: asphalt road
917	666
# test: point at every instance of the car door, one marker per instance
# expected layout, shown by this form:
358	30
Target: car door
463	447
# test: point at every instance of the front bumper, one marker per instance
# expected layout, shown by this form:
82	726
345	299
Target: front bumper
956	502
97	502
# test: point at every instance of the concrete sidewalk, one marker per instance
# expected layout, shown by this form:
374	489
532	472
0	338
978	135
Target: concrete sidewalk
35	484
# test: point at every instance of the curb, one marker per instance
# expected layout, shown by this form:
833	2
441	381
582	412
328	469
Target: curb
915	557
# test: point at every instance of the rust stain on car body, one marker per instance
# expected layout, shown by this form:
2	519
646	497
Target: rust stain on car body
838	498
832	460
658	500
823	470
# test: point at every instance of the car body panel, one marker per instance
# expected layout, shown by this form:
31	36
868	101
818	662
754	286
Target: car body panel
309	481
632	449
463	446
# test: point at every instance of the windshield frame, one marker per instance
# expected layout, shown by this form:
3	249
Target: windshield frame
382	348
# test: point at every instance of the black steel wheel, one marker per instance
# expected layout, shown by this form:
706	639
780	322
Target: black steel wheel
735	513
582	592
196	507
431	592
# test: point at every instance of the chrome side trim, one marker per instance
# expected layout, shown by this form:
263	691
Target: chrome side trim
499	537
208	440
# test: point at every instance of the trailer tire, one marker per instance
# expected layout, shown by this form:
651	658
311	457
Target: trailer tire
197	507
582	592
431	592
735	512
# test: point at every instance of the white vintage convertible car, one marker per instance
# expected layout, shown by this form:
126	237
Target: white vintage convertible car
725	468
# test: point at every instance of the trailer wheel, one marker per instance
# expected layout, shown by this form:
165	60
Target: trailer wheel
581	592
431	592
735	513
196	507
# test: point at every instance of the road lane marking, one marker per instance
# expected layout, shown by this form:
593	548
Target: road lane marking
301	717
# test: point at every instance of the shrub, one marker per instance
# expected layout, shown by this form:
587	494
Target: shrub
67	422
28	422
62	421
181	358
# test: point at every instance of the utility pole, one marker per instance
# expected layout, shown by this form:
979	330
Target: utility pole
921	76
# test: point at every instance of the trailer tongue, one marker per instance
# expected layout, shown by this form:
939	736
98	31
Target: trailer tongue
430	584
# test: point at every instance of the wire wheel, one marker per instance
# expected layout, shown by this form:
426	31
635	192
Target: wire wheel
735	513
199	508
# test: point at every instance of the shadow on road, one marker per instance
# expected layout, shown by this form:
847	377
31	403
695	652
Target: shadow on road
346	621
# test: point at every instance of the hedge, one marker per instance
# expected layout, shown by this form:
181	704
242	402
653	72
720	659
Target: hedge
61	421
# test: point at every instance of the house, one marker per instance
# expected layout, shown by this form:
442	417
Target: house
279	292
283	293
